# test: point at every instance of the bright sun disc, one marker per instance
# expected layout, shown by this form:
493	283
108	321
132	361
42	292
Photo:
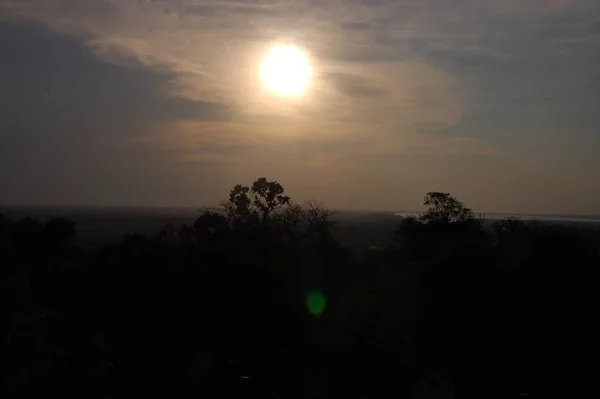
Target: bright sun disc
286	70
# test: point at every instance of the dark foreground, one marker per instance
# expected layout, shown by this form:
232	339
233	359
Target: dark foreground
269	304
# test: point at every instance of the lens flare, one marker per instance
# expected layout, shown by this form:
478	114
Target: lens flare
315	300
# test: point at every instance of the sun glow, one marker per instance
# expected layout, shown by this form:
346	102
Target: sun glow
286	70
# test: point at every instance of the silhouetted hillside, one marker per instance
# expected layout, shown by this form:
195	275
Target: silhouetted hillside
257	297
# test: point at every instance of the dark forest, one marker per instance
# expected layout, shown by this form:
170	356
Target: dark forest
257	299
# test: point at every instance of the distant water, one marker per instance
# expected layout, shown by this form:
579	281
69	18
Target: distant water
527	216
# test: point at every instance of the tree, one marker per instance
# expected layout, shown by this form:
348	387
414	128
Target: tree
210	224
264	211
410	233
248	204
444	208
290	219
317	216
239	203
267	197
447	226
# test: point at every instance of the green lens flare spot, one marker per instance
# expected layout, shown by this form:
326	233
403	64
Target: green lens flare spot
315	301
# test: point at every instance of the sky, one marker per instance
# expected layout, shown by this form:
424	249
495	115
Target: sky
145	103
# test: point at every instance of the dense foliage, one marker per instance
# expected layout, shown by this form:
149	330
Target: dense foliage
256	299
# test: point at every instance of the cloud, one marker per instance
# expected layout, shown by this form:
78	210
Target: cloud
192	141
65	117
58	78
354	86
374	91
214	48
394	80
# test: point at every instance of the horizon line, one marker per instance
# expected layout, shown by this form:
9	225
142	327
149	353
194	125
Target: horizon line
199	208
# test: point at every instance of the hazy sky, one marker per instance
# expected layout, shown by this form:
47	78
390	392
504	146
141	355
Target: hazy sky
142	102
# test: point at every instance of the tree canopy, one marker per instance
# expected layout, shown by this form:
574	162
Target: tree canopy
444	208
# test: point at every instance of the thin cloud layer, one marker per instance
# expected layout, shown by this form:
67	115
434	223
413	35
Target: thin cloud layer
215	49
510	82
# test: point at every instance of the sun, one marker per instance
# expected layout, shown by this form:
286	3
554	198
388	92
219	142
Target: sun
286	70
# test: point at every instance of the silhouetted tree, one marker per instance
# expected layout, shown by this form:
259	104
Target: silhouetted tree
267	197
220	308
289	220
410	234
60	230
444	208
318	216
446	227
26	234
239	205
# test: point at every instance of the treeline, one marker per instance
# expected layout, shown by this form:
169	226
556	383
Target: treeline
257	299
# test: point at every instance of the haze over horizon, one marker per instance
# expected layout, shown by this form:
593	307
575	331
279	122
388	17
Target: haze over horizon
161	102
